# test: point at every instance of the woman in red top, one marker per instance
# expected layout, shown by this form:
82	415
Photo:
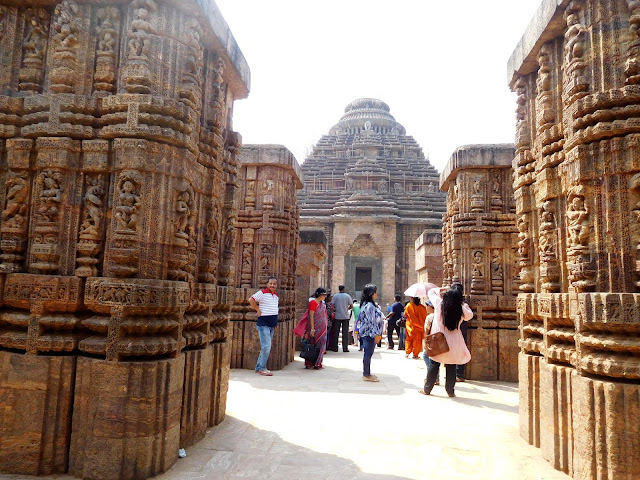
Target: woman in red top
317	326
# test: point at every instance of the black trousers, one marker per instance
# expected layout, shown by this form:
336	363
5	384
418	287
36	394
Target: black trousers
345	334
391	326
461	370
432	376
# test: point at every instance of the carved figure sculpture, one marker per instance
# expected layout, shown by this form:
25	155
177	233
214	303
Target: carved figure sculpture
51	195
93	205
128	206
17	192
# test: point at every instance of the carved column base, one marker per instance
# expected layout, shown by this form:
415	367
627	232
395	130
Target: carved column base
219	381
126	418
196	398
36	393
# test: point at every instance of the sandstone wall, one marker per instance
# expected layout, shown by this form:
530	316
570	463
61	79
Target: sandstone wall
429	256
577	185
118	172
267	223
479	251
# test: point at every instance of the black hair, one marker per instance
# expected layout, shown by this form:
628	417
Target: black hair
340	288
452	307
398	298
459	286
416	300
271	278
319	291
367	293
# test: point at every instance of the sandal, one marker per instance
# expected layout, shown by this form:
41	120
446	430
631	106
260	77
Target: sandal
370	378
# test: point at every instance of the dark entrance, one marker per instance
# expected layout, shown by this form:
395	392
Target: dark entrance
363	276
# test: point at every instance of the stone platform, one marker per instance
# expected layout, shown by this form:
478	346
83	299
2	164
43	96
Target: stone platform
474	436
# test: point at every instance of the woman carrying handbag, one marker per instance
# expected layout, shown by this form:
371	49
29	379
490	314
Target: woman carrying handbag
312	327
449	313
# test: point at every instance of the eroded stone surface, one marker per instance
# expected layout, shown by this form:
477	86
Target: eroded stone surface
577	76
118	171
479	251
267	245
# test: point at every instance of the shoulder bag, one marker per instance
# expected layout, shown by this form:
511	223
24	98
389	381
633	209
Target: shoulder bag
435	344
310	350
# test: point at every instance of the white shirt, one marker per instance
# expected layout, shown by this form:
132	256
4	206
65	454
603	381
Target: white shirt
267	301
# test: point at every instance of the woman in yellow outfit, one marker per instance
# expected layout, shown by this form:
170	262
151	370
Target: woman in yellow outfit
415	313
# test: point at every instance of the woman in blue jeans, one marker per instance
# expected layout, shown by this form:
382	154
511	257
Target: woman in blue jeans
371	323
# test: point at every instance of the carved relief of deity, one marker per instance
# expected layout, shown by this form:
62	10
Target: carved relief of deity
545	111
582	274
138	73
576	35
218	100
128	206
107	32
477	274
90	235
496	192
191	76
497	275
523	136
65	45
185	221
15	211
265	260
247	264
477	197
33	49
549	268
50	196
455	199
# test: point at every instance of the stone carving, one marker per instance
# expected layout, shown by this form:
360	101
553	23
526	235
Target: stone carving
478	235
138	73
575	83
477	276
107	31
576	191
90	235
545	111
33	49
65	45
116	187
128	202
14	222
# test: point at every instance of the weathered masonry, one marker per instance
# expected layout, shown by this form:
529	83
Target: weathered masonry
118	168
576	72
479	240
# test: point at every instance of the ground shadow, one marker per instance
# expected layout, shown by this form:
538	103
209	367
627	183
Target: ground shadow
237	449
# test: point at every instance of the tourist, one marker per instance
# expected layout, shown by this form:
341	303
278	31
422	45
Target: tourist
427	330
343	304
416	313
331	315
371	321
461	370
317	326
397	309
355	314
450	312
265	303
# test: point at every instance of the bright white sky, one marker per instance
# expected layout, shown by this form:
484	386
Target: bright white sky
441	66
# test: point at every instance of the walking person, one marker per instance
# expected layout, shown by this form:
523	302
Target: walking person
416	314
427	330
397	309
343	304
265	303
461	370
371	321
317	326
449	314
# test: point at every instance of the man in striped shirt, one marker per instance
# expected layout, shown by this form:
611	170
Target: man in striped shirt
265	303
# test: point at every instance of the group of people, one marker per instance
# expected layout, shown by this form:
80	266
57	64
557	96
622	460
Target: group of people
444	312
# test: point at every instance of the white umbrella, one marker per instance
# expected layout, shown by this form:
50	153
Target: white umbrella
419	289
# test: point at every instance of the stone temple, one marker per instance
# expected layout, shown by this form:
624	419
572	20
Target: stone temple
372	192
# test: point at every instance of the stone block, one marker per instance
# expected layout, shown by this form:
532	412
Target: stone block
196	397
556	422
483	345
508	355
36	396
607	438
529	408
126	418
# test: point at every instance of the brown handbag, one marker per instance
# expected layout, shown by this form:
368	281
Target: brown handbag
435	344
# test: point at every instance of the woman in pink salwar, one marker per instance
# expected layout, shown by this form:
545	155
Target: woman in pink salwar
449	313
317	326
